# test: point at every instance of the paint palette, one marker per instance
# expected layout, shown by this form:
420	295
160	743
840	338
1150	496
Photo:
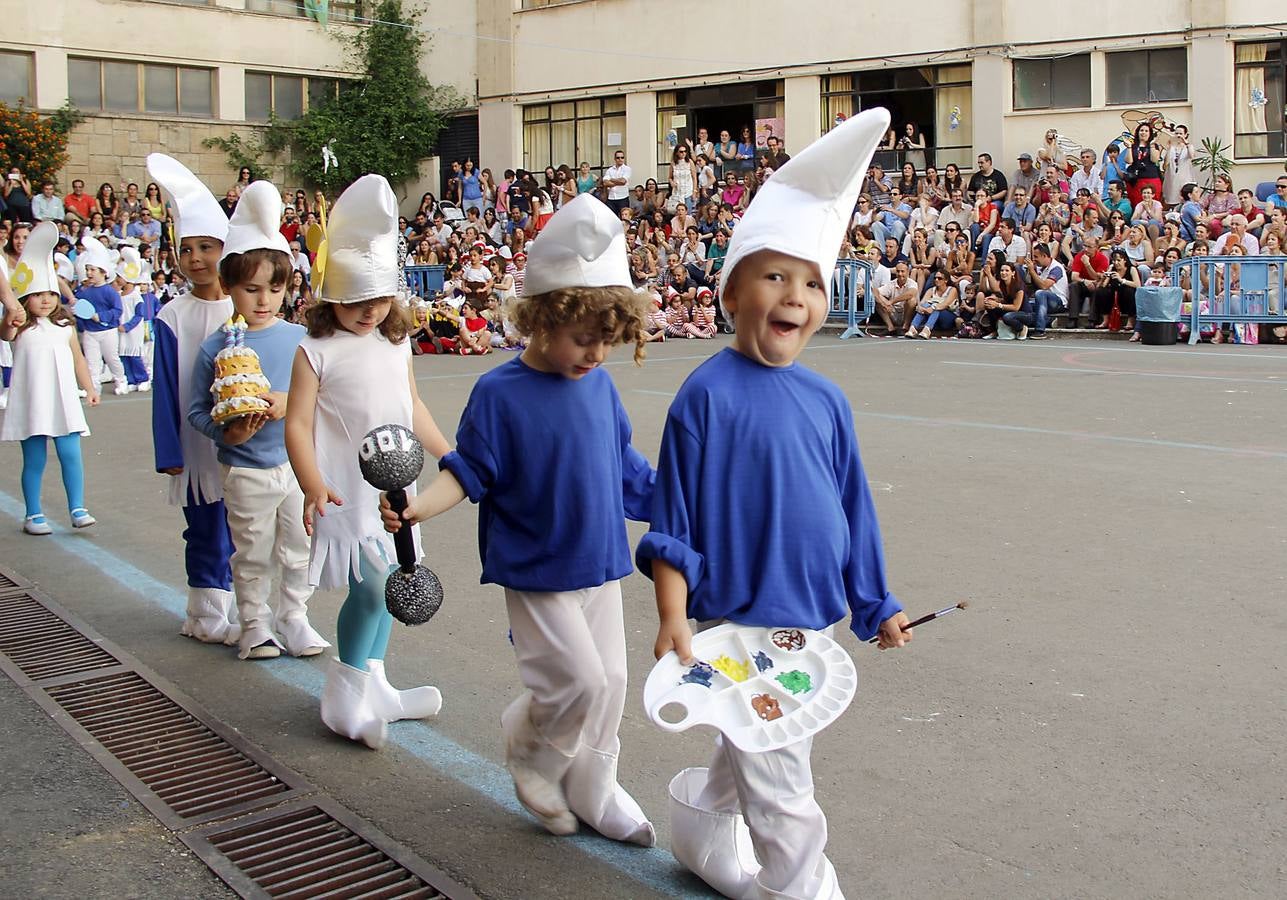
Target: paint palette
763	688
84	309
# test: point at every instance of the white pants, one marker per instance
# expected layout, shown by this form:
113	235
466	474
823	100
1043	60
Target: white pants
103	347
774	793
266	516
571	649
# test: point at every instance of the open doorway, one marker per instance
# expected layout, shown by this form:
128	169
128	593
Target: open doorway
724	118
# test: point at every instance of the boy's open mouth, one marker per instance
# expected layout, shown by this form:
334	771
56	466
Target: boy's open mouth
782	327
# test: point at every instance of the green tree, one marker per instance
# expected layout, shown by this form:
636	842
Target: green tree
385	122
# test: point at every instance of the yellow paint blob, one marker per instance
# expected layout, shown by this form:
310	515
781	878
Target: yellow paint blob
738	671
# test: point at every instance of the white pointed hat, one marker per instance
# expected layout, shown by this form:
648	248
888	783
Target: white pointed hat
584	245
255	222
131	267
93	253
195	210
804	209
358	260
63	266
35	273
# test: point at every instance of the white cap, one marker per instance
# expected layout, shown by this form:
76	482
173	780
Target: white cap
95	254
805	208
195	210
358	261
255	222
63	266
131	267
583	245
35	273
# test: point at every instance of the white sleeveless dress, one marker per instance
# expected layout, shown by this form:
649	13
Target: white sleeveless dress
362	384
42	397
131	341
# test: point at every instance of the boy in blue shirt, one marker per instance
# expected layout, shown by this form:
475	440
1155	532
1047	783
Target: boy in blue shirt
264	503
795	543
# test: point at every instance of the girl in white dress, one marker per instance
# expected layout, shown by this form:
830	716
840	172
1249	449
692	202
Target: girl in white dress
352	373
47	365
132	277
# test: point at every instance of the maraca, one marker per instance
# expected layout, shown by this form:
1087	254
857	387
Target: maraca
391	458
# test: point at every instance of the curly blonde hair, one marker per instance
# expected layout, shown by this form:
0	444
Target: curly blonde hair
617	312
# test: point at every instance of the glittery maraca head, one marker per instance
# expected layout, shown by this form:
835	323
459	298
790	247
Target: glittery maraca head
413	598
391	457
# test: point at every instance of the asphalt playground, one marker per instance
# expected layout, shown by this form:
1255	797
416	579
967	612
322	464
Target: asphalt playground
1105	720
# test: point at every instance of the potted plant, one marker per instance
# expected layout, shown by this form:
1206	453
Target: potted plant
1213	159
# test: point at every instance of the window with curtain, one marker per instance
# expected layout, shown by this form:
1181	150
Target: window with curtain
15	77
130	87
1259	113
572	132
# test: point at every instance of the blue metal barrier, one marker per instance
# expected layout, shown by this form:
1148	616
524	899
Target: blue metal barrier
851	294
426	281
1258	298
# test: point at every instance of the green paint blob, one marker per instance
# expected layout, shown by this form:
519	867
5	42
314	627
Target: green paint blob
795	681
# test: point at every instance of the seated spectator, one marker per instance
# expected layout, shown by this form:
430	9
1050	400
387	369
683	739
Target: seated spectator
1220	204
1237	235
1250	210
906	184
892	255
924	218
1137	248
894	217
896	301
681	283
677	319
1050	295
1025	177
960	259
423	255
1148	212
1089	272
1115	232
146	230
1020	211
655	322
1043	235
475	336
923	260
45	206
643	266
1000	292
715	257
931	185
1116	200
1051	182
1170	236
78	202
990	181
984	221
955	211
1088	178
936	310
703	324
877	186
1117	291
1009	242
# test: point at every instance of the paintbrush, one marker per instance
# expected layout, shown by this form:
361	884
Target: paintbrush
929	618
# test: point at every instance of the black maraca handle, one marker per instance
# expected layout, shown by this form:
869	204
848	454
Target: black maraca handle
402	541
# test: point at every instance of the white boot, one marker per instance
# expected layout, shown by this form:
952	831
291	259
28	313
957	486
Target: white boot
714	846
346	706
4	398
537	768
298	636
392	704
122	387
207	616
828	887
144	387
255	620
596	798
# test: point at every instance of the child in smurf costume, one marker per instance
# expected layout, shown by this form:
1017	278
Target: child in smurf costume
183	452
802	548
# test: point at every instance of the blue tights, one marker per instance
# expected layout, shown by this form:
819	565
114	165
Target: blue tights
35	453
362	632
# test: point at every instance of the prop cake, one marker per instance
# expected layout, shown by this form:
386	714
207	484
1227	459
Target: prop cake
239	382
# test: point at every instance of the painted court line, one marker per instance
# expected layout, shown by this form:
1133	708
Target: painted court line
1079	371
654	868
1182	350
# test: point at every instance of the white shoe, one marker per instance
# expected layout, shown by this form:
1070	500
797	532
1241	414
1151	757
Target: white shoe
207	616
714	846
131	388
145	387
599	801
296	634
828	887
37	525
392	704
1023	333
82	393
80	518
121	389
4	399
346	706
926	334
537	769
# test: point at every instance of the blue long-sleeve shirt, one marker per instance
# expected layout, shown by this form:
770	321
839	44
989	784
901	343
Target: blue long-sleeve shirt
276	347
762	503
107	304
550	463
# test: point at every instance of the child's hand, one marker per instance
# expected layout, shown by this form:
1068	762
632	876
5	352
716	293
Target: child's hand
392	521
891	632
315	501
276	405
243	428
675	636
93	400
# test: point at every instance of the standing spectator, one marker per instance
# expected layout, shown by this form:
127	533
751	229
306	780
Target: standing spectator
586	182
17	196
1179	166
46	207
487	184
746	150
989	180
777	155
471	190
1143	158
683	178
452	193
1112	167
564	187
617	180
702	146
726	155
1050	153
79	202
912	143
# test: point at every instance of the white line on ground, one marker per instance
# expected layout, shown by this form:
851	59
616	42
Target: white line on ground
1080	371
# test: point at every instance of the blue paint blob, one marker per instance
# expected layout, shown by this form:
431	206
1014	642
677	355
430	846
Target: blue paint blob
762	661
701	673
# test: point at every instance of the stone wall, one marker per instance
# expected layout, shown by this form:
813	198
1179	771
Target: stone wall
115	149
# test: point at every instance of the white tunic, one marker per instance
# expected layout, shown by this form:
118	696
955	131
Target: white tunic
132	341
362	384
6	351
193	320
42	396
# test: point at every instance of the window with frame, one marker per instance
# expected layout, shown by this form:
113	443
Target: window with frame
572	132
1147	76
15	77
1060	82
336	10
1260	100
285	96
131	87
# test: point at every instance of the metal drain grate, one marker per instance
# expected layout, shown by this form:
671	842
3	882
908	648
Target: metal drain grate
316	849
42	645
189	768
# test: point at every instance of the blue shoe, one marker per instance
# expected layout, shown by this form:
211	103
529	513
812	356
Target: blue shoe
81	518
36	525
